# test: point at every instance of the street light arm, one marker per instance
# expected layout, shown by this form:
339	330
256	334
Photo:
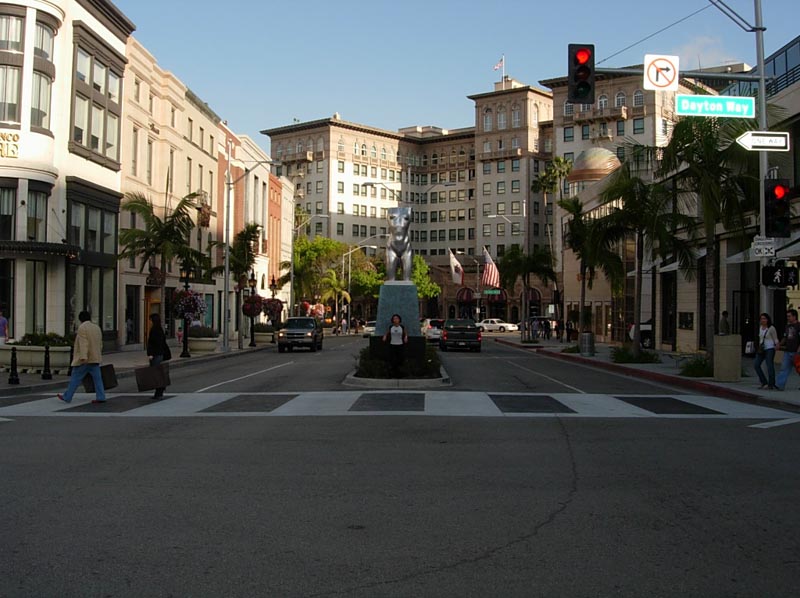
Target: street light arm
250	168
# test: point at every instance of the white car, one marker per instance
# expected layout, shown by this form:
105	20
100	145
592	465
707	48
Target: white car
369	328
432	329
495	325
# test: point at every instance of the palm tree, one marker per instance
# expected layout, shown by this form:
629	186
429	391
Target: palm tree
705	162
515	263
241	258
334	287
594	244
164	237
648	212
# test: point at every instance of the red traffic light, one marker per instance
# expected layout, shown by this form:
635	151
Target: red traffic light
780	191
583	55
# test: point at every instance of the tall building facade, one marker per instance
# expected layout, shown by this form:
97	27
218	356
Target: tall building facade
60	168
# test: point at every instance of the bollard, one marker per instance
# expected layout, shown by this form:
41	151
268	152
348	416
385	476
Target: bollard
71	356
13	377
46	374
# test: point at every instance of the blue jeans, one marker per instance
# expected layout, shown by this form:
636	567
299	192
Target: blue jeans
79	373
769	357
787	366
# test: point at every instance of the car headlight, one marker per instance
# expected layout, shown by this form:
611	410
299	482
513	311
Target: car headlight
309	334
281	334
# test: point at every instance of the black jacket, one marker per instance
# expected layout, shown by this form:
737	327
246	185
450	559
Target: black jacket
156	342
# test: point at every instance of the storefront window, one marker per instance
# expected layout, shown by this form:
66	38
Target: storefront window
7	198
109	239
35	293
93	230
76	230
76	289
93	293
37	216
109	278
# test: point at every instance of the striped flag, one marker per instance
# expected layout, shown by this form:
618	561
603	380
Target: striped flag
456	271
491	275
499	65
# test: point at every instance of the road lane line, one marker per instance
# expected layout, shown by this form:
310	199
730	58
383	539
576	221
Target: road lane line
775	424
548	377
275	367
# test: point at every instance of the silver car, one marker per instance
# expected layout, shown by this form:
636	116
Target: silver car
432	329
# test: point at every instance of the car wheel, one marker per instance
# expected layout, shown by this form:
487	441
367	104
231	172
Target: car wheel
502	328
281	348
647	342
481	328
313	347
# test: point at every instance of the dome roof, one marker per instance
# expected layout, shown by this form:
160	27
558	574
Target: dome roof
593	164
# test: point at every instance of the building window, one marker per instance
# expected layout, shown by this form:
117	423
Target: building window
621	153
487	188
515	186
569	156
585	131
487	119
40	102
501	229
638	98
37	216
569	108
8	198
35	293
11	33
149	163
502	123
340	228
569	134
620	127
9	94
516	121
501	167
487	230
602	102
619	100
43	45
501	187
515	165
638	126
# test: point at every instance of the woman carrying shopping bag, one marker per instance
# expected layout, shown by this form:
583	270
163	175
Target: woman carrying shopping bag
157	348
765	351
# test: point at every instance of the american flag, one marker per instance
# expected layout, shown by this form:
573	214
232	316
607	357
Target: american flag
491	275
499	65
456	271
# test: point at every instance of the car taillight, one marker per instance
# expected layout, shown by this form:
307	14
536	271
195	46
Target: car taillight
444	335
480	336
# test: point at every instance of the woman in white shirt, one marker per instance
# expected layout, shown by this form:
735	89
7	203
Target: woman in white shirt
765	351
397	338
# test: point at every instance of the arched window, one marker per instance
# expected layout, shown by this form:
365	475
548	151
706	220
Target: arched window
638	98
516	116
569	108
535	115
263	281
320	144
340	146
424	159
383	153
373	152
619	100
602	102
435	159
502	122
299	147
355	148
453	156
461	154
279	150
364	149
487	119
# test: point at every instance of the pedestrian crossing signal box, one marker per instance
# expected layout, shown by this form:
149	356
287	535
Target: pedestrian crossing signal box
779	277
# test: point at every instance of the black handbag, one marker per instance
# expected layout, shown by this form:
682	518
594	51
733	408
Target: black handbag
167	355
152	377
108	375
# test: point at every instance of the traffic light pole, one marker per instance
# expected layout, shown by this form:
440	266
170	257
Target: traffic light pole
765	295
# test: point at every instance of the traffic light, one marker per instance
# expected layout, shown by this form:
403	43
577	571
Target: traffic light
580	86
777	208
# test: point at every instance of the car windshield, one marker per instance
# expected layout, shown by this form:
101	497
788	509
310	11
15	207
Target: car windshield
304	324
436	323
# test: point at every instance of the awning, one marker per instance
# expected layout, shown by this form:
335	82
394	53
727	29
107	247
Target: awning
38	248
674	265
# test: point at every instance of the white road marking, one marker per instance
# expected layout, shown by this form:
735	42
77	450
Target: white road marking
2	419
547	377
275	367
775	424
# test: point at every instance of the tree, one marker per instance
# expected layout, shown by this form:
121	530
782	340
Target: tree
334	287
594	246
517	264
706	164
648	211
420	276
164	237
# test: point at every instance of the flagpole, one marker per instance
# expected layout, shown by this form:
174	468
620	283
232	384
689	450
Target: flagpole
503	60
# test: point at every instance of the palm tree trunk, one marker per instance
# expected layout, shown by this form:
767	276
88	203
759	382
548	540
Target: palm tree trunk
582	315
711	255
239	311
637	296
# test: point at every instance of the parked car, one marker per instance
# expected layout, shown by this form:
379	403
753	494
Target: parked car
495	325
646	336
432	329
300	332
460	334
369	328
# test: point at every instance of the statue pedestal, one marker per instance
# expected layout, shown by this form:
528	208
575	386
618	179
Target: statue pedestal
398	297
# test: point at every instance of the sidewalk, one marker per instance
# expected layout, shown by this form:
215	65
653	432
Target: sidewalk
668	372
124	363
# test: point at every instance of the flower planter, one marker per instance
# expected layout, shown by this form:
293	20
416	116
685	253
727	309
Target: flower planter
203	345
33	357
263	338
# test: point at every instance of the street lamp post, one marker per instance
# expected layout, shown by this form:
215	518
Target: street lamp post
348	255
186	273
251	282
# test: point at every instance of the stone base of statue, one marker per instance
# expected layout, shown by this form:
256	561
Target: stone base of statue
398	297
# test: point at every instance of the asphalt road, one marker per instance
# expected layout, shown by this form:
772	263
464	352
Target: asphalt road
402	505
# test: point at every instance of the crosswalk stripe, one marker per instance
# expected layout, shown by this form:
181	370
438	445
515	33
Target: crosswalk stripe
449	403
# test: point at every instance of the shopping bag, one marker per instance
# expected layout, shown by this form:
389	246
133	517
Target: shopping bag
797	362
750	348
152	377
108	375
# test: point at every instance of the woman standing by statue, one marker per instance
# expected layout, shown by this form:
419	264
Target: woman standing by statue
397	338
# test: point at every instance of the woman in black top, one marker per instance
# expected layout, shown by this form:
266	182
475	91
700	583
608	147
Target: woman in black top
157	349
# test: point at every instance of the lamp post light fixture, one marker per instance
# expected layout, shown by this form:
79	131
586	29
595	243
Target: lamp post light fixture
251	282
349	255
186	274
273	286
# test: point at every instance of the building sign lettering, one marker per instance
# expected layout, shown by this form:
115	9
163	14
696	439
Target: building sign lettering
9	144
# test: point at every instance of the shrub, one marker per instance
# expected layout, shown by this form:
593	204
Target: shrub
38	339
624	354
252	305
571	349
261	327
368	366
698	367
202	332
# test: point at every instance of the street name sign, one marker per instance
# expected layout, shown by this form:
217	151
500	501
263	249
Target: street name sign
660	72
763	247
719	106
491	291
764	141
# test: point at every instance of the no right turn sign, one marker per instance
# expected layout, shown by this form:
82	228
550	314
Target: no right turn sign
660	72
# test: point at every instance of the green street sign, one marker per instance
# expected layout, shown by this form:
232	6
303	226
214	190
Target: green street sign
491	291
719	106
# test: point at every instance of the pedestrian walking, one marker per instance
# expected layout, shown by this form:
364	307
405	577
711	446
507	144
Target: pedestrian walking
3	328
88	349
344	325
536	329
765	351
157	349
724	325
397	338
789	344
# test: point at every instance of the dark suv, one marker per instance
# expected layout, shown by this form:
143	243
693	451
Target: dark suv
300	332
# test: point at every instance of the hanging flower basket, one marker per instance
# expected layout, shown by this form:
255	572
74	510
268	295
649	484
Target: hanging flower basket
273	308
252	305
188	304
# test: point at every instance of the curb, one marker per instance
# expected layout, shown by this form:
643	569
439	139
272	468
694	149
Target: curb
690	384
352	380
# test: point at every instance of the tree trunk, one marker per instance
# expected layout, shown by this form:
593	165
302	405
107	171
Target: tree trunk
711	310
582	313
637	297
239	311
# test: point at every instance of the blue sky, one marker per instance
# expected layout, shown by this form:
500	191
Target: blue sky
260	64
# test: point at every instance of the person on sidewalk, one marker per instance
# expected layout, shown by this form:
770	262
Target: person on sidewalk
157	348
397	338
789	344
765	351
3	328
87	353
724	325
